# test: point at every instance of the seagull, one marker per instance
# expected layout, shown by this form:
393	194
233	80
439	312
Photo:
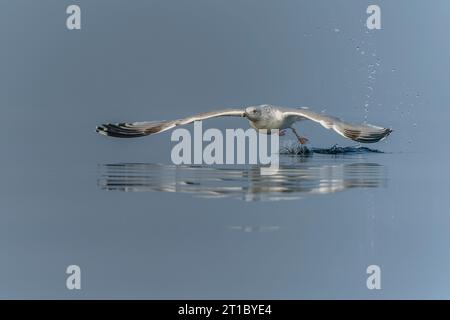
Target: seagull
263	117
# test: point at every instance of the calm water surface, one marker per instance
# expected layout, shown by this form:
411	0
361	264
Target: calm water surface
143	230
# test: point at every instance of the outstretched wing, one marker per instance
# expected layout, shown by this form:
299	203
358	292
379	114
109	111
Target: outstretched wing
364	133
140	129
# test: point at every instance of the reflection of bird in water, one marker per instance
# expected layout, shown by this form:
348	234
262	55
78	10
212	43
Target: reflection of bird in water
264	117
290	182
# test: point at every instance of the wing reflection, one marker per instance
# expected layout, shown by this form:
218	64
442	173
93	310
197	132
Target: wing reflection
292	181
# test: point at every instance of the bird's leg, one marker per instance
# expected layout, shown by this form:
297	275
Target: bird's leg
302	140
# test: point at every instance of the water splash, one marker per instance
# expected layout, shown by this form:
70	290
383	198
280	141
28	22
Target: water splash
305	151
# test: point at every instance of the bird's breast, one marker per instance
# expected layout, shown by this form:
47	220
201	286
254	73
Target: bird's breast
274	120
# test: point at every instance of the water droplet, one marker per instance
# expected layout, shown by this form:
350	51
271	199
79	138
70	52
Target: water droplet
417	95
393	69
362	52
336	30
414	124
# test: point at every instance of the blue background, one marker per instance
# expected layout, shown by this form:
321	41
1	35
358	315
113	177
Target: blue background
151	60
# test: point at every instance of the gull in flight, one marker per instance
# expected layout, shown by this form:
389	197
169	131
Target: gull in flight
261	117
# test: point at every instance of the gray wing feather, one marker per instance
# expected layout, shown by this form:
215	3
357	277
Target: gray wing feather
364	133
140	129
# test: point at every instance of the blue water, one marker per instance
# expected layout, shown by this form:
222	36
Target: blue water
146	230
140	227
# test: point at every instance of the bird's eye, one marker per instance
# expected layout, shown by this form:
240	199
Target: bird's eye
254	111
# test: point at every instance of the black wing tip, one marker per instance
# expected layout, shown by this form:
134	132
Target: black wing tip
371	137
119	130
387	132
100	128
